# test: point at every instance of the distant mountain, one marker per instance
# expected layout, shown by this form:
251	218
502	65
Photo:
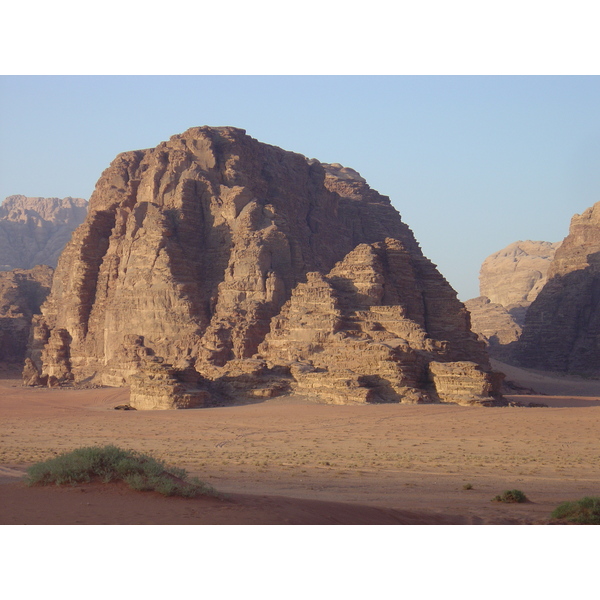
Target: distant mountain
509	281
515	275
34	231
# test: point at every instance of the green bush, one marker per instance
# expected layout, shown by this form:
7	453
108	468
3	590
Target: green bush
584	512
109	463
511	496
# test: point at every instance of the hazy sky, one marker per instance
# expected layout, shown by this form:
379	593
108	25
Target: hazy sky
472	163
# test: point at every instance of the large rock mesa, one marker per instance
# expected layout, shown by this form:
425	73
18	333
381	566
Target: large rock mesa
262	268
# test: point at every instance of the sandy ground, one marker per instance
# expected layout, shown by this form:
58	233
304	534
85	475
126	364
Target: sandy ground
293	461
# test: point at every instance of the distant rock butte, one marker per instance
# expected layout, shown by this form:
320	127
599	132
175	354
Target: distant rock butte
562	326
218	267
34	231
21	295
509	281
516	274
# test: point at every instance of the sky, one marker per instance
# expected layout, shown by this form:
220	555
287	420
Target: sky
472	163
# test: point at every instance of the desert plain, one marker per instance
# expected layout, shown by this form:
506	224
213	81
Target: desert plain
291	460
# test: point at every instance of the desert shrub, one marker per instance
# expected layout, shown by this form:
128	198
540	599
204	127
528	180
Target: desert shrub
468	486
584	512
511	496
109	463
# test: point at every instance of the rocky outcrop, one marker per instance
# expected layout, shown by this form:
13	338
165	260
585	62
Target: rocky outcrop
160	386
371	329
562	327
34	231
466	383
509	281
206	245
21	294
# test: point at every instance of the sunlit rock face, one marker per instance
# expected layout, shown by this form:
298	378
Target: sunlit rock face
509	281
516	274
260	267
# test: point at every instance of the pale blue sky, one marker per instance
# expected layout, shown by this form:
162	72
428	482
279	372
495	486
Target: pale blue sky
472	163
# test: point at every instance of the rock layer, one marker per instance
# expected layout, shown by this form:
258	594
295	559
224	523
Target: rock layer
202	247
34	231
562	327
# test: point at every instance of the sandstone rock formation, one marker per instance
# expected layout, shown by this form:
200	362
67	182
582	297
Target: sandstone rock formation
213	247
157	385
21	294
509	281
34	231
562	327
515	275
366	333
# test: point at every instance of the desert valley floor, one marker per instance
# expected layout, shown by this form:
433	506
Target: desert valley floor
292	461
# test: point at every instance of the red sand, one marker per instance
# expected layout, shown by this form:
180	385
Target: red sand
292	461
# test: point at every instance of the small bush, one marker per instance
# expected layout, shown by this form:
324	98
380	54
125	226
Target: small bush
584	512
511	496
468	486
109	463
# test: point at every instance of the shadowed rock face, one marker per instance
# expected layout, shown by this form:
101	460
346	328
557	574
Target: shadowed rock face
495	325
562	327
34	231
198	247
21	295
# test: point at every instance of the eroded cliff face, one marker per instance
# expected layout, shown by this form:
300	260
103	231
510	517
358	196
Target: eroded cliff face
21	294
197	248
34	231
375	329
562	326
